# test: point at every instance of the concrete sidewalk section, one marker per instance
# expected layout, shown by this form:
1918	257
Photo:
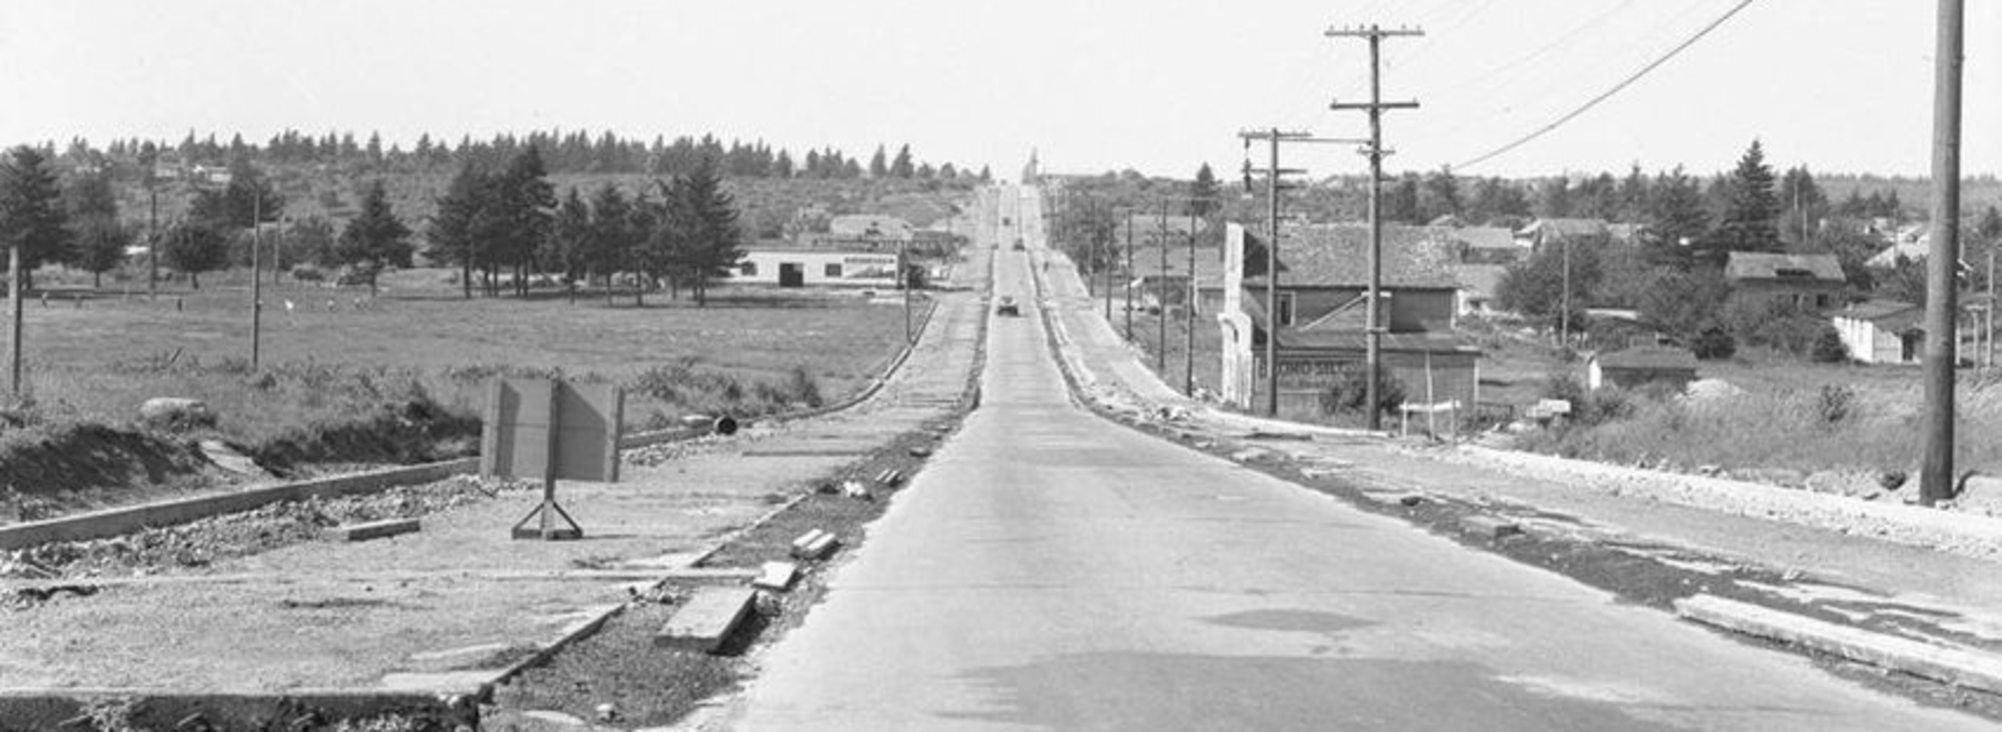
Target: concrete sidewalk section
447	608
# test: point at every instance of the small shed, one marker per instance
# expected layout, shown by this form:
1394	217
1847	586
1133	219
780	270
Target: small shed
1881	331
1636	367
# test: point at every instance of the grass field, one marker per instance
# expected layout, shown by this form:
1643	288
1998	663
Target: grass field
102	359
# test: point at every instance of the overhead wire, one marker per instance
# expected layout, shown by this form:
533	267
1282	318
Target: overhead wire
1617	88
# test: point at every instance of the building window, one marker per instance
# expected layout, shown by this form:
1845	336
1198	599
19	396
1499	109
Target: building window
834	271
1821	300
1285	308
748	269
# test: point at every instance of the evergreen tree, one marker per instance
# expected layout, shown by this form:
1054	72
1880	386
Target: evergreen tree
901	166
569	241
1402	203
703	219
1553	198
782	168
31	214
454	226
1677	216
1440	196
1203	192
375	238
613	232
879	166
1748	221
311	239
100	243
986	176
1805	205
523	204
247	200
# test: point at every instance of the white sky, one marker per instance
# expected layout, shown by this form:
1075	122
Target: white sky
1841	85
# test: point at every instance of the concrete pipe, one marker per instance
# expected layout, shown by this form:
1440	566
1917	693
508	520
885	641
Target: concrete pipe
724	425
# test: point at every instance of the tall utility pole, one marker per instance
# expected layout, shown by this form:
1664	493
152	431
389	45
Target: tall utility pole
256	275
1936	472
1107	285
1189	311
152	238
1129	277
1272	187
1161	298
1375	151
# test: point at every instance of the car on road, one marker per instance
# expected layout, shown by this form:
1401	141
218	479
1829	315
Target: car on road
1018	244
1007	306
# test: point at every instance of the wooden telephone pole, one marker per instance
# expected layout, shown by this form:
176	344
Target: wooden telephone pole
1936	472
1272	188
1375	106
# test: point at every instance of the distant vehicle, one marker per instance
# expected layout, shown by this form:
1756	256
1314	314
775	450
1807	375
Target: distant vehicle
1008	307
1005	221
1018	244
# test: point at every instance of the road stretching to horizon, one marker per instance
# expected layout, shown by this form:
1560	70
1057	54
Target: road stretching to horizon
1052	570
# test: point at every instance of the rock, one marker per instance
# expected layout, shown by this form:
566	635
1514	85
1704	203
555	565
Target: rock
229	459
1249	454
1979	494
920	452
176	413
1782	477
1844	482
1709	471
856	490
1891	480
553	717
607	712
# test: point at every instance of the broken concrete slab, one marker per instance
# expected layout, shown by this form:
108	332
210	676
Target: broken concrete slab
1950	665
776	576
1489	527
706	620
374	529
815	544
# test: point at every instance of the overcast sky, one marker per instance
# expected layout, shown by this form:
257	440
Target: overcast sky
1841	85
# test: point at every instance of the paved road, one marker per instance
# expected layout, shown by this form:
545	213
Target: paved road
1050	570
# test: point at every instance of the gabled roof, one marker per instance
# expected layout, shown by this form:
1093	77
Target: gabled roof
1875	309
1648	357
869	224
1783	267
1484	237
1337	255
1564	228
1209	265
1146	225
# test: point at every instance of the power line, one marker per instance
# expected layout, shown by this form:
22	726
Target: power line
1617	88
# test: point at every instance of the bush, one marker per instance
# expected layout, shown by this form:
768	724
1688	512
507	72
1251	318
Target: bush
1828	347
1350	391
1835	403
1713	343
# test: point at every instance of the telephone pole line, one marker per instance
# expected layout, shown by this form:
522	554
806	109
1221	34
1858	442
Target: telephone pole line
1375	106
1941	331
1272	187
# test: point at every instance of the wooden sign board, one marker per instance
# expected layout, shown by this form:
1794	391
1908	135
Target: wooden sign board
543	428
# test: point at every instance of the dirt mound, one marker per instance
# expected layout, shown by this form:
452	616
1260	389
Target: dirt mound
48	469
415	430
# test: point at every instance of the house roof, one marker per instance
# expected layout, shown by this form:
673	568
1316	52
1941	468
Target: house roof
1481	279
1792	267
1484	237
1875	309
1356	340
1564	227
1648	357
1146	225
1209	265
1337	255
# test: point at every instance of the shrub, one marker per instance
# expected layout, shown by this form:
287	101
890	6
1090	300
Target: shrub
1350	390
1834	403
1828	347
1713	343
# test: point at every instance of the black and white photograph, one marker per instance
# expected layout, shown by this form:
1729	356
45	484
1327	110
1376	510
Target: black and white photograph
621	365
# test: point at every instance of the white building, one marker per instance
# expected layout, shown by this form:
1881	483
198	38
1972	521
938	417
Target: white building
792	267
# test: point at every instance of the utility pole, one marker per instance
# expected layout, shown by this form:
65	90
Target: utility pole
1272	187
256	274
1189	312
1107	285
1375	151
1161	298
14	305
152	239
1129	277
1936	473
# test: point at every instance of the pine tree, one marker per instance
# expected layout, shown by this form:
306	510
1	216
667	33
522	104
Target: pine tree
569	241
524	203
1203	192
612	233
1677	216
1440	196
452	232
901	167
878	167
1751	207
703	219
375	238
31	214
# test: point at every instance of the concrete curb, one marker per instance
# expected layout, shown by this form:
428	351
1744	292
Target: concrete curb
1949	665
1979	537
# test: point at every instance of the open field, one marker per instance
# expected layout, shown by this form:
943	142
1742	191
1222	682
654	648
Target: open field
346	379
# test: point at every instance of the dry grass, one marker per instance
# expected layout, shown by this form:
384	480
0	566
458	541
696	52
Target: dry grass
100	361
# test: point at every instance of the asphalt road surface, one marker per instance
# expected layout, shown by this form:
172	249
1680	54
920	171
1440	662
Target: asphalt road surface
1051	570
